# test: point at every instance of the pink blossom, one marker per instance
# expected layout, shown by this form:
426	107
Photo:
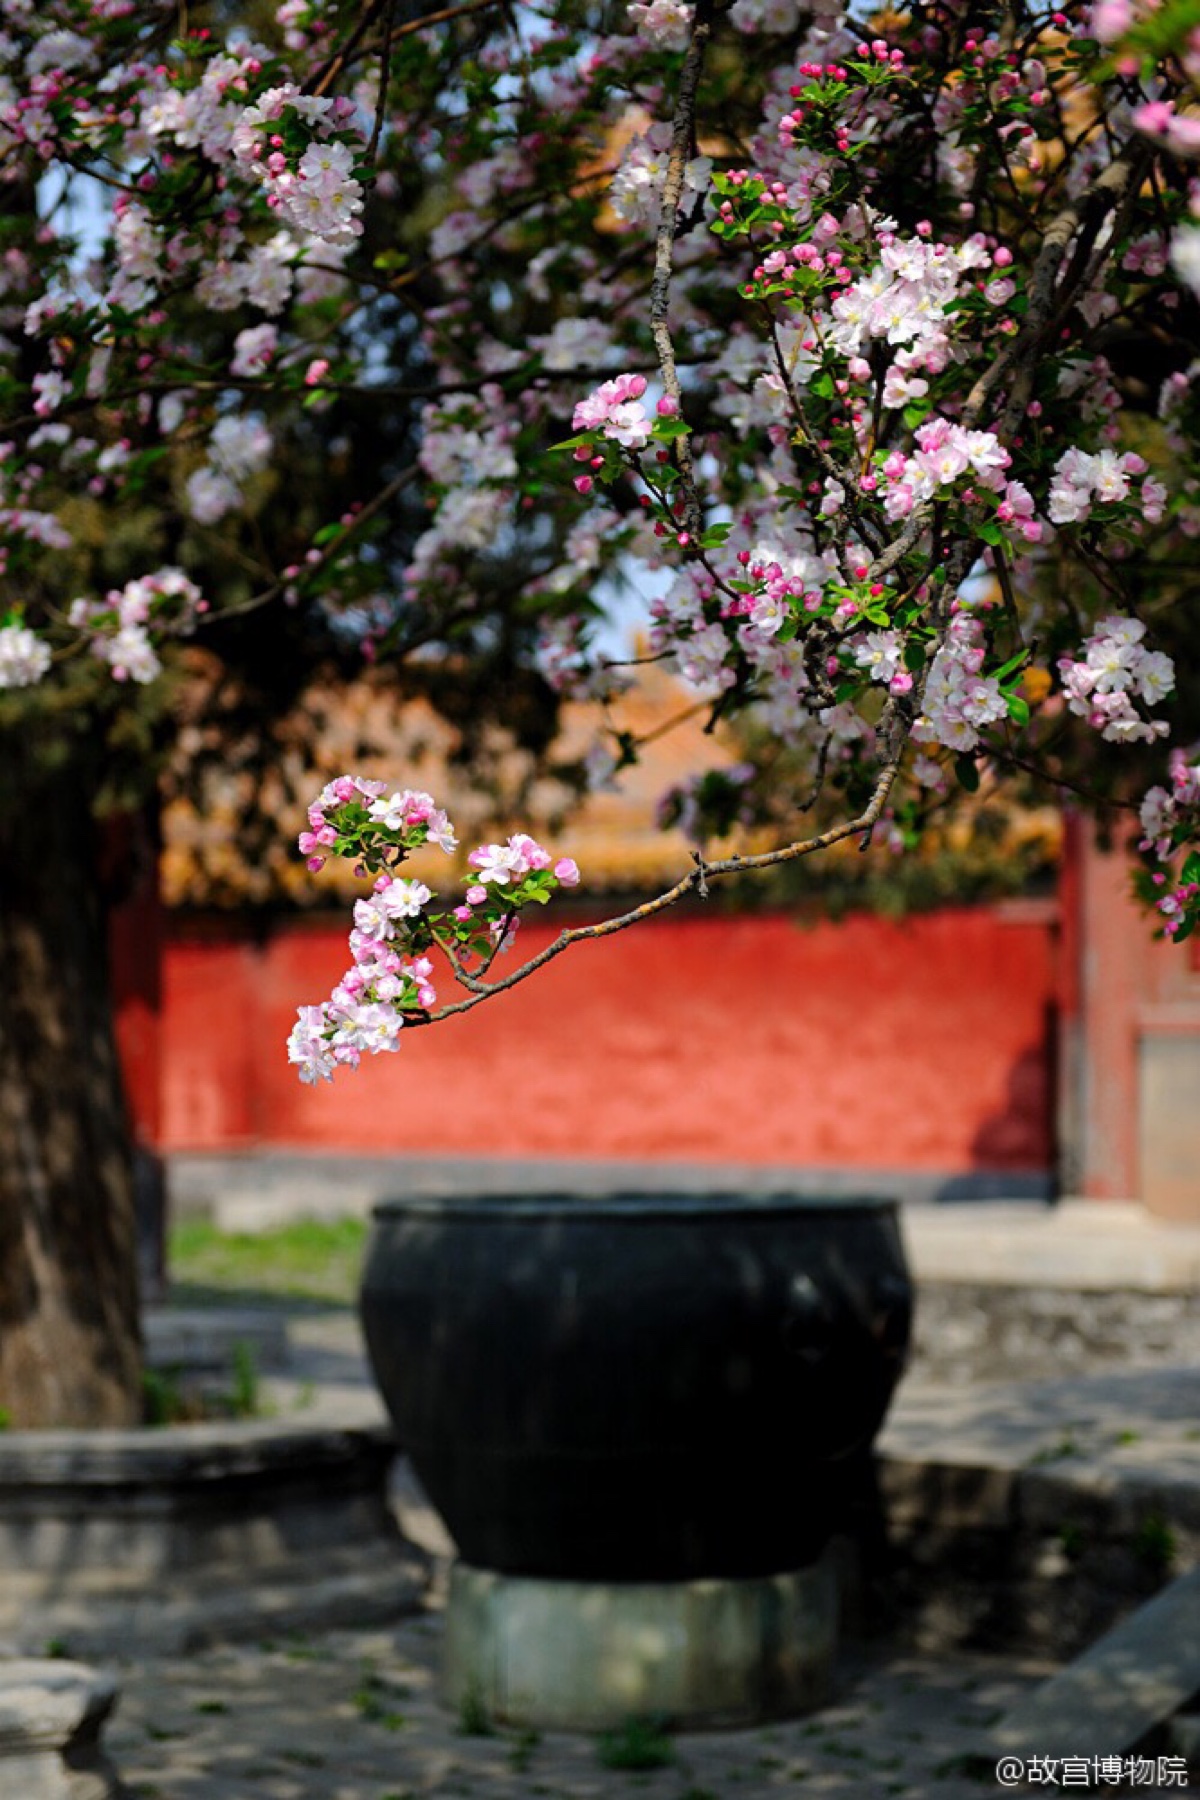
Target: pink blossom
253	350
615	408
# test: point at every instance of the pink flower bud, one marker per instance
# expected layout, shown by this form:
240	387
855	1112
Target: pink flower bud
667	407
566	872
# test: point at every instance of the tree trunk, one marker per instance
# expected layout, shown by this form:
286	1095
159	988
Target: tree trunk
70	1350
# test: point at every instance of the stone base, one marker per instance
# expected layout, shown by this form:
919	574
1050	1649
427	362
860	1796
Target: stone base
154	1541
51	1714
587	1656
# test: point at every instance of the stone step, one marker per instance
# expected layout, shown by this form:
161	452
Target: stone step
1137	1676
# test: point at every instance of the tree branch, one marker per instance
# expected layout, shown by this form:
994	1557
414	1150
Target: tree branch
695	879
682	139
1047	300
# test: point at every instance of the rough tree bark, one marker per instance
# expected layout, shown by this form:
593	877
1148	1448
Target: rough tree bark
70	1351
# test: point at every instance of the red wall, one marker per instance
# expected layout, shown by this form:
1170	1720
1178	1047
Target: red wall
1132	1041
925	1044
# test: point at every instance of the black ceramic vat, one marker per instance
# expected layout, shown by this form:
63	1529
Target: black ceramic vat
636	1388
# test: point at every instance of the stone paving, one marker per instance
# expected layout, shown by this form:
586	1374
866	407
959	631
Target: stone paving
354	1716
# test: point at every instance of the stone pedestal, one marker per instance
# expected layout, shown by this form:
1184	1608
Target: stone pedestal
586	1656
158	1541
51	1714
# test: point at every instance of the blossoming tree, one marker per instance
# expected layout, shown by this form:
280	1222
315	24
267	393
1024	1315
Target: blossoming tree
861	345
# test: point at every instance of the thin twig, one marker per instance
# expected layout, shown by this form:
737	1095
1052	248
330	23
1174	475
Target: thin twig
385	70
679	718
1004	577
997	754
443	17
700	874
329	72
386	494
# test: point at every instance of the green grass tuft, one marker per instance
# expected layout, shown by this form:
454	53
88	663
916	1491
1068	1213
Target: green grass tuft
306	1260
638	1744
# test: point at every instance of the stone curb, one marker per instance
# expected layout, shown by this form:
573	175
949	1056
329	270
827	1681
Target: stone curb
172	1623
51	1716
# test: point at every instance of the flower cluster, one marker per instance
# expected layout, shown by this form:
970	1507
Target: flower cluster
1082	482
1170	820
945	454
1115	671
615	409
396	927
352	806
119	626
24	656
240	446
637	188
666	24
505	864
906	301
959	698
291	141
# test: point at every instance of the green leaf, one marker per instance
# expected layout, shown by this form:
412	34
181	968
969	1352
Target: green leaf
914	656
967	773
1018	709
1011	666
666	429
585	437
326	535
1191	867
715	536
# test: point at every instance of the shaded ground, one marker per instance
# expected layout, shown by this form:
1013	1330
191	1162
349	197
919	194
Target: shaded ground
353	1716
